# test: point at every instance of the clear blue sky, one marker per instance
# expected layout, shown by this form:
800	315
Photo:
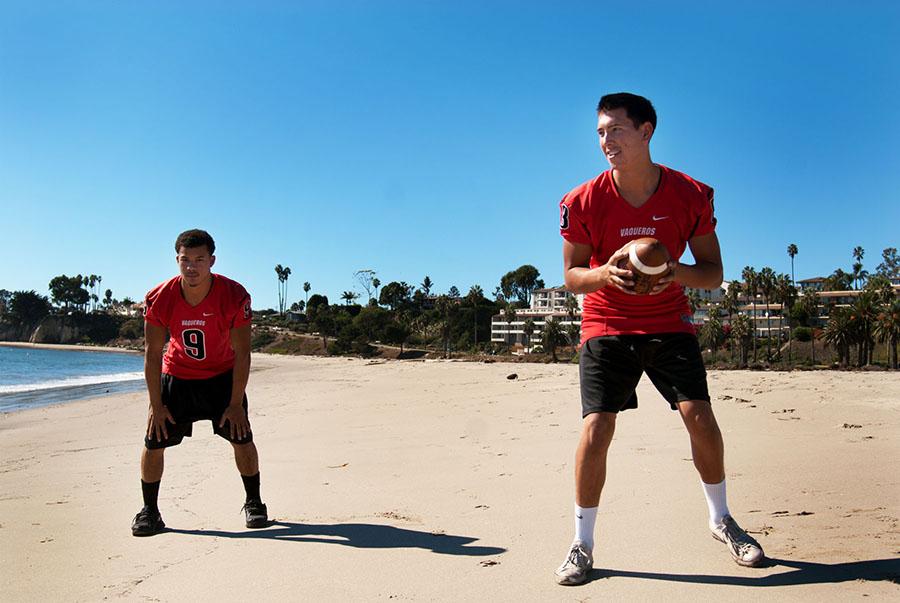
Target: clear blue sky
427	137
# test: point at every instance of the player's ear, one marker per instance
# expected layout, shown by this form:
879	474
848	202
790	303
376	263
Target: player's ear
212	261
647	131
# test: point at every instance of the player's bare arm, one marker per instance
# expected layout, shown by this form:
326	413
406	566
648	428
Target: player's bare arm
581	278
234	414
154	340
706	273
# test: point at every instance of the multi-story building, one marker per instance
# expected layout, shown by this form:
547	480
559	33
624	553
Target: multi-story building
550	302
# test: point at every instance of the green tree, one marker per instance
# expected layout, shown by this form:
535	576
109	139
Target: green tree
519	283
766	280
324	323
509	314
427	285
283	273
528	328
314	304
858	254
838	281
395	295
863	316
890	264
66	290
731	303
552	336
366	278
742	330
27	309
108	298
887	330
306	289
786	294
712	334
751	287
792	251
839	333
453	292
349	297
376	284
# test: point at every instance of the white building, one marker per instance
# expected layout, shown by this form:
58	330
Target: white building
550	302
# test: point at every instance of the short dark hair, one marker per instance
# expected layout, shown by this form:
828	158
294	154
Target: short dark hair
195	238
639	109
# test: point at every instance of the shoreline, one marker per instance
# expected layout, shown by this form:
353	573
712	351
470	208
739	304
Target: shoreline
68	347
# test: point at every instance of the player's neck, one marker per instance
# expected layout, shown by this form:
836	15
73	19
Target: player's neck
637	184
195	295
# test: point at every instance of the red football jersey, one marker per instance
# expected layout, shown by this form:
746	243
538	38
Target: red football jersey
595	214
200	336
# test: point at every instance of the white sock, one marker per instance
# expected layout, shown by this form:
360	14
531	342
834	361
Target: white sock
584	525
716	501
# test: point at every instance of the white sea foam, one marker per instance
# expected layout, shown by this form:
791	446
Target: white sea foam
70	382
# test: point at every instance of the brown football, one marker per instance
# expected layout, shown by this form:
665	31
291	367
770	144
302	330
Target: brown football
648	262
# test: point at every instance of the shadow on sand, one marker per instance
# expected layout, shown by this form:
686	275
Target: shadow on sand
357	535
803	572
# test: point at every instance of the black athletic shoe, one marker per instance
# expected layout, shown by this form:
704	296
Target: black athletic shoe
147	523
256	514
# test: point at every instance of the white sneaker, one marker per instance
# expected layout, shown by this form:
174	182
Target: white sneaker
744	549
576	567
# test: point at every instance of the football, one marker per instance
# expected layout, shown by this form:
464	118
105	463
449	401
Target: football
648	262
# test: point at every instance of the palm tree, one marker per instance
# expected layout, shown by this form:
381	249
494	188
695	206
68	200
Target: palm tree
809	304
887	330
787	295
376	283
283	273
711	334
839	333
864	315
751	285
528	329
306	288
858	253
792	251
510	315
694	299
731	304
427	285
742	331
767	286
552	336
349	297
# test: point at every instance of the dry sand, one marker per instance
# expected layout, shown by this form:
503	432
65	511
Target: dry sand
447	481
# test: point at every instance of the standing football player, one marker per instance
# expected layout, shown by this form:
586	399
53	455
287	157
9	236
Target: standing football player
202	376
624	335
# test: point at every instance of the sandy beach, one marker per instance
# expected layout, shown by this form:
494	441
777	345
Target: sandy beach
447	481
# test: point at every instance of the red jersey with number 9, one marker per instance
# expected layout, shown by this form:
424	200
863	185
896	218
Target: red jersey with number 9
199	336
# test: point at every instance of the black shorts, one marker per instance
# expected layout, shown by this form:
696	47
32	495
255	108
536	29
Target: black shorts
611	366
190	400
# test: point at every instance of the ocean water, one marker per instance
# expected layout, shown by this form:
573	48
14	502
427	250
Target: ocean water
31	377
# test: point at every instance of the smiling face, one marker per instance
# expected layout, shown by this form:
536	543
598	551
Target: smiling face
195	265
623	144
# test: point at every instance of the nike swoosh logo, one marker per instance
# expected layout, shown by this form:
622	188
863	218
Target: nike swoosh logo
657	219
208	314
579	517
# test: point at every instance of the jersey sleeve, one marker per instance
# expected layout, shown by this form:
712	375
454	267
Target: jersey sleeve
243	311
153	309
572	225
706	216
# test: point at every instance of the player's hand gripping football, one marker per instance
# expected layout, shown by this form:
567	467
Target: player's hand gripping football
620	278
237	421
156	423
665	280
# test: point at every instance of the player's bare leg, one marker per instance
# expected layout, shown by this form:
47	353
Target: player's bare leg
246	458
152	463
590	457
590	475
708	451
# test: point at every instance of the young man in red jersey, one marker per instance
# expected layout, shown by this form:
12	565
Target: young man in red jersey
623	334
203	374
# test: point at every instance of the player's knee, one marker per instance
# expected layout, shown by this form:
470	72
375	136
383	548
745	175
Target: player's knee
599	428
